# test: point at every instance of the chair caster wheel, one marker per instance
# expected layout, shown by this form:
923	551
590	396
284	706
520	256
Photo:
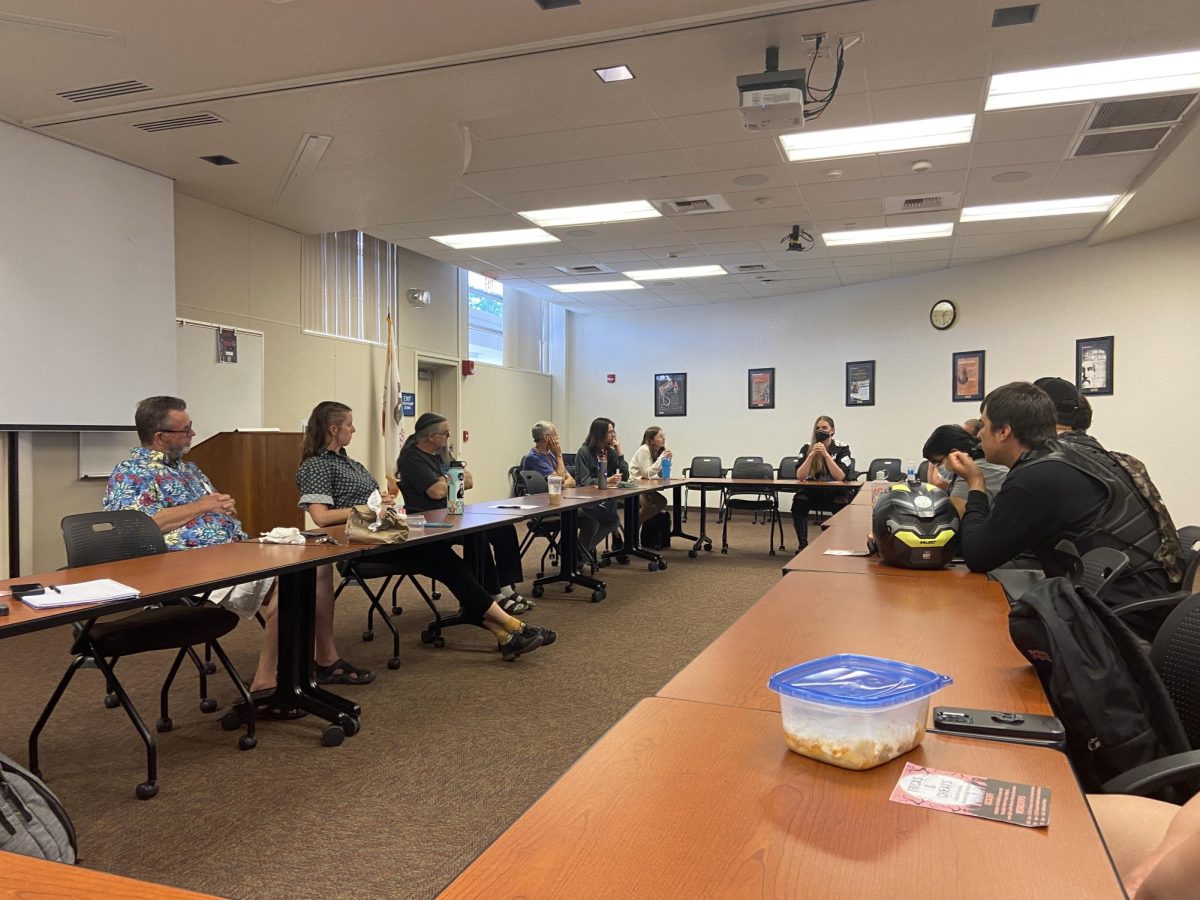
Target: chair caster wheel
162	726
231	721
350	725
333	736
708	547
653	567
210	668
537	591
439	642
692	554
208	704
368	635
662	565
396	610
436	595
247	742
427	637
598	595
146	790
394	663
111	701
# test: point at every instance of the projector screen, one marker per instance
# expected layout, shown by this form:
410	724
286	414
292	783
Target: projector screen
87	286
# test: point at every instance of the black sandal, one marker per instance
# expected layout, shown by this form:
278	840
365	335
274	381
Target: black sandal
264	709
342	672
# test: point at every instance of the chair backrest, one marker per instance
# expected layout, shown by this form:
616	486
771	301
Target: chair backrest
516	484
706	467
749	468
744	459
101	537
893	468
569	463
788	466
923	470
1176	656
535	482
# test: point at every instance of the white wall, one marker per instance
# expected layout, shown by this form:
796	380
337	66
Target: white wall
499	406
1026	312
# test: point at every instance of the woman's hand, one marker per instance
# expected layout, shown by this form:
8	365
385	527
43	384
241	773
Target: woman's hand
666	454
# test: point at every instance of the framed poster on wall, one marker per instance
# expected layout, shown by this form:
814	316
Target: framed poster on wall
966	373
860	383
670	394
1094	365
761	388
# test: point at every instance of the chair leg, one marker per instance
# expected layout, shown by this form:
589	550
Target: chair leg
149	787
725	531
164	722
75	666
247	741
207	705
396	607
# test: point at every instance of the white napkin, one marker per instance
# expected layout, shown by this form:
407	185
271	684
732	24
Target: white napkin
282	535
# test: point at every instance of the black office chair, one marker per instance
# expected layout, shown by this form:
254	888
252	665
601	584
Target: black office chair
361	572
547	527
744	459
893	469
516	485
923	471
96	538
764	500
702	467
788	466
569	463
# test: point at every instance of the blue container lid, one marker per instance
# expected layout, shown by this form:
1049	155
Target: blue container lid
857	682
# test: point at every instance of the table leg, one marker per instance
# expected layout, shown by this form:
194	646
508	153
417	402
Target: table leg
677	501
568	561
703	540
633	545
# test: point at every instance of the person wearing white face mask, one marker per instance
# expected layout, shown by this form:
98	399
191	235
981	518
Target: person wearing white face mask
822	459
946	438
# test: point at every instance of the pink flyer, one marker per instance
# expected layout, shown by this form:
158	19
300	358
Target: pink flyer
973	795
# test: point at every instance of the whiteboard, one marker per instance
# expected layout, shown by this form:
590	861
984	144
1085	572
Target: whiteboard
220	396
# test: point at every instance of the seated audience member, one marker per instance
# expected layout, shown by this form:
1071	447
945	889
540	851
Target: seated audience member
190	514
944	439
1155	846
546	456
331	483
822	459
972	426
1055	491
420	473
646	464
601	438
1072	411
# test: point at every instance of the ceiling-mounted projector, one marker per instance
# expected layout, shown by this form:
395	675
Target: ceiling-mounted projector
772	101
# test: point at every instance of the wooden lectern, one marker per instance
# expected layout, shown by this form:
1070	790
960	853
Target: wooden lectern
257	469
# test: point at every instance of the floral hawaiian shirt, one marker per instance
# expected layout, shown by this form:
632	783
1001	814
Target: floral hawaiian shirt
149	482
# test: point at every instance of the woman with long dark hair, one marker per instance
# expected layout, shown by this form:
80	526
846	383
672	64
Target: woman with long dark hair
822	459
331	483
597	522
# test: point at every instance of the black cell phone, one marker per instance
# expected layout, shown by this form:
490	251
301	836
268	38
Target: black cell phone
994	725
27	590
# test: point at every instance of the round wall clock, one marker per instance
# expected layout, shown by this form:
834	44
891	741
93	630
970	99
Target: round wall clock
943	314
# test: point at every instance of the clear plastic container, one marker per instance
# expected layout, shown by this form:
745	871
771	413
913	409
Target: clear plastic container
855	711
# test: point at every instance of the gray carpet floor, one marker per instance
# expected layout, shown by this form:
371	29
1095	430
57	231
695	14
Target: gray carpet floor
455	745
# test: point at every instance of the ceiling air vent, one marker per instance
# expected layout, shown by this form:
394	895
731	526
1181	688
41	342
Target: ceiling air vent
1140	111
692	206
104	91
920	203
192	121
592	269
1119	141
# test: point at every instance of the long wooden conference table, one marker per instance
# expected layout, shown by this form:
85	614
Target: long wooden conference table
695	794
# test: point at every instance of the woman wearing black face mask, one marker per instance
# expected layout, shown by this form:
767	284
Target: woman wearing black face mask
822	459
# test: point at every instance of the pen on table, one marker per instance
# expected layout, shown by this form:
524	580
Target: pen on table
439	524
55	589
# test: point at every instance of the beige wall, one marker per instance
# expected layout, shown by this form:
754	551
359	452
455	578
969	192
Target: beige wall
498	408
1025	312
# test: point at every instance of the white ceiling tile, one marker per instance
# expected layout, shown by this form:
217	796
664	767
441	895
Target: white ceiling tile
526	150
916	268
924	184
530	121
623	138
944	159
529	178
904	257
740	156
1015	154
651	165
1077	224
853	210
841	191
720	127
924	100
860	279
1094	175
1021	124
852	168
771	197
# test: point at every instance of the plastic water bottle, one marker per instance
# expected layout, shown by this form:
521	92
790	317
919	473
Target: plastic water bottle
665	469
602	469
912	472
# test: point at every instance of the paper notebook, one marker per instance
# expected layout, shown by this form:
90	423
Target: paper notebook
97	591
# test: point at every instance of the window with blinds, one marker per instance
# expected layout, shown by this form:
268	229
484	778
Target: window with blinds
485	319
350	280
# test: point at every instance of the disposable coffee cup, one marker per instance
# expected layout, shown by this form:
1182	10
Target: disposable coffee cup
554	483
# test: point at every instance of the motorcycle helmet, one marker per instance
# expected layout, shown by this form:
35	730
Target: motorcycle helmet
915	526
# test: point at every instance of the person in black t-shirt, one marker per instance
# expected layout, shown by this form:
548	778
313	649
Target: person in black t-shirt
1044	499
822	459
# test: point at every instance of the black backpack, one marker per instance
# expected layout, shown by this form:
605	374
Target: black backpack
656	532
32	821
1099	680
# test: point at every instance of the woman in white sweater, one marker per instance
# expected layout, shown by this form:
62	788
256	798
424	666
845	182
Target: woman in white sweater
647	463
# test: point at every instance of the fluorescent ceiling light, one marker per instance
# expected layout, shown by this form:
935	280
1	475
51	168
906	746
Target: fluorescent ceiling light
1069	207
598	214
887	235
308	154
614	73
495	238
576	287
912	135
672	274
1093	81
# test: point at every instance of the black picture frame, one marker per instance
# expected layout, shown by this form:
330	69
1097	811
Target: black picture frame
967	376
670	394
760	388
860	383
1094	365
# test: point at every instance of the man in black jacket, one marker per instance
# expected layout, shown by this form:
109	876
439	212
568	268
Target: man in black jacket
1055	491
